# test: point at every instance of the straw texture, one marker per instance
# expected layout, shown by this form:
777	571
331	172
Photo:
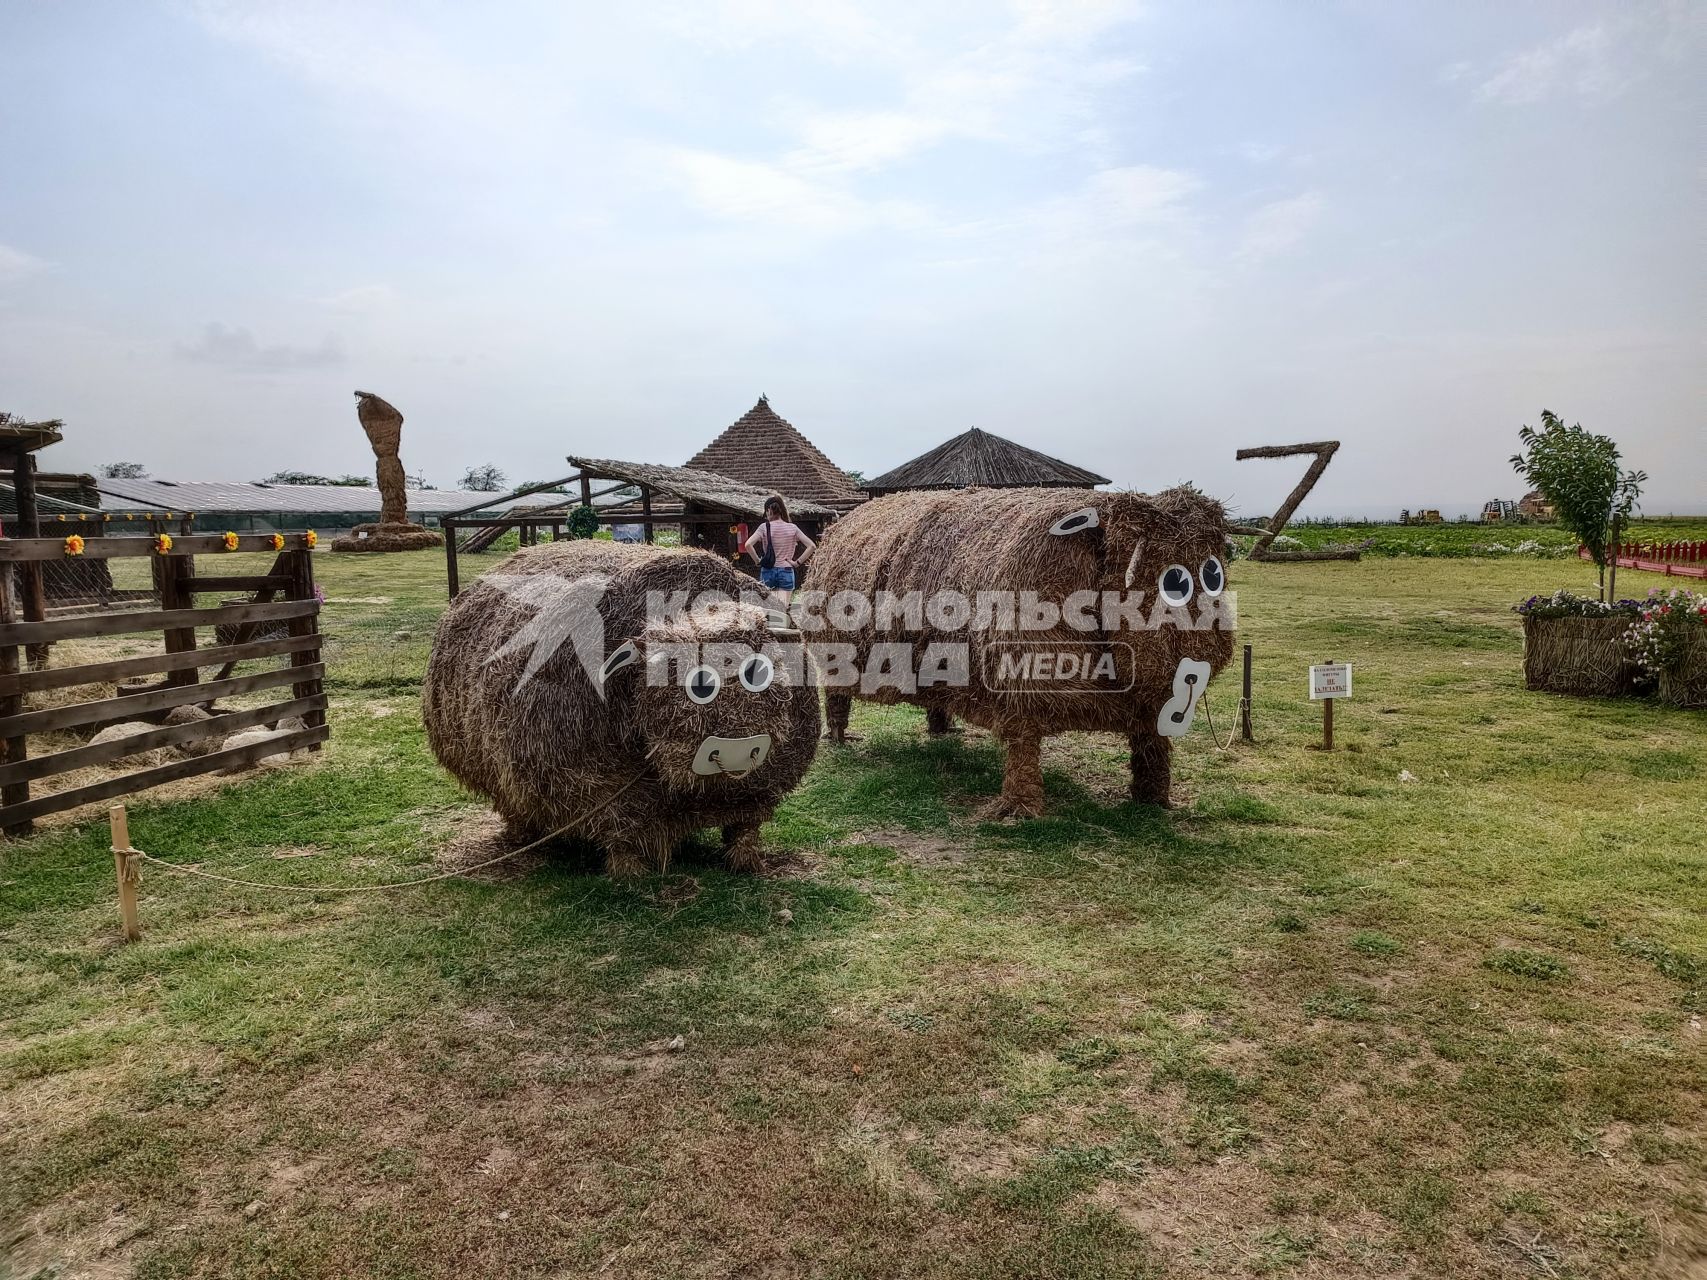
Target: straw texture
548	749
976	540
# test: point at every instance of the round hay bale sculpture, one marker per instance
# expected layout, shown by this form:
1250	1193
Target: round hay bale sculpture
552	692
1141	676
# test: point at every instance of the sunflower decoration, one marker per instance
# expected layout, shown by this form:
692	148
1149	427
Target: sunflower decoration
74	545
309	539
230	541
278	542
163	543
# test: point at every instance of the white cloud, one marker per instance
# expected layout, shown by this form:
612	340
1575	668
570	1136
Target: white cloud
752	191
236	349
362	299
1277	227
1029	85
15	264
1579	62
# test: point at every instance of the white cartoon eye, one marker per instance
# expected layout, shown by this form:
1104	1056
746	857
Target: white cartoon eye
756	673
702	685
1212	576
1176	586
624	654
1076	522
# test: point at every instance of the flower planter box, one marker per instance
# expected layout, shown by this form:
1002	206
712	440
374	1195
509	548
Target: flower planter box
1578	655
1684	684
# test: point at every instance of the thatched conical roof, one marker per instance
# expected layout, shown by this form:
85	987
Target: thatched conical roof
978	458
763	449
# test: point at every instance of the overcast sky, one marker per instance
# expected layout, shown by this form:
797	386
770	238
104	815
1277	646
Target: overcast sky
1135	236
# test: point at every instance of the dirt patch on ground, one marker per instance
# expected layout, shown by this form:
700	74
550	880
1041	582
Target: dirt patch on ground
476	837
919	849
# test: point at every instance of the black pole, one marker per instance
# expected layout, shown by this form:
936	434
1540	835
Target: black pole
1245	705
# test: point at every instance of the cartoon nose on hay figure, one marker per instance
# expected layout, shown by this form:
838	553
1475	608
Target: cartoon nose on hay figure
735	756
1190	679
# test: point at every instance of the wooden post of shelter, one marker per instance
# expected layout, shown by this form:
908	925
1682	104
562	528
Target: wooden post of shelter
15	749
34	591
646	509
448	526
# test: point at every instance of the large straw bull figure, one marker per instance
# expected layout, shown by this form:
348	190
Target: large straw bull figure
556	691
1136	667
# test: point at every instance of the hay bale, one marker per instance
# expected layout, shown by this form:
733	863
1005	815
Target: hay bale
1584	656
518	708
1684	682
1052	543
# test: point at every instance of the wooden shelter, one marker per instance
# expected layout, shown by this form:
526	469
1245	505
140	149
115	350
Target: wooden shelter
977	458
19	440
764	450
713	511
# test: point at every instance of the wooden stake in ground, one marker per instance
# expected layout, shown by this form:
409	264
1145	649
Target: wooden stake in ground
127	865
1612	560
1245	703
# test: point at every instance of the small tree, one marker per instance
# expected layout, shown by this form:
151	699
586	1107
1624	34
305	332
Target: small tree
309	477
1578	473
123	471
483	479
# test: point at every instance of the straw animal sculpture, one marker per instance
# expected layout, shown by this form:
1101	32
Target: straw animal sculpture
551	692
1053	542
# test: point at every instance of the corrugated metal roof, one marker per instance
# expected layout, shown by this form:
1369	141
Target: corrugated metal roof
210	496
692	485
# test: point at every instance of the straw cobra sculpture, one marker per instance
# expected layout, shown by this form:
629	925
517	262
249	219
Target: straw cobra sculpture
1170	547
550	689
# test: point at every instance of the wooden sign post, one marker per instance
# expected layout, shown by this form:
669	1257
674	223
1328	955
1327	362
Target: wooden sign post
1329	681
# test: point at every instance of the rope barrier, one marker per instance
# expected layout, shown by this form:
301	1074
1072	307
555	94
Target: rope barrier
180	869
1209	718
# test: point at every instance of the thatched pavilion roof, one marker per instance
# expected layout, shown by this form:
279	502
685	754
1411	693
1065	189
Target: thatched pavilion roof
766	451
689	484
16	433
978	458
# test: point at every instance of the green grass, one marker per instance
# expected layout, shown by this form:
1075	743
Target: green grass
1312	1021
1455	539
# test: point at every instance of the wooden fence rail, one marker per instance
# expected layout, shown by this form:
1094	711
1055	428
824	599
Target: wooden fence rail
178	664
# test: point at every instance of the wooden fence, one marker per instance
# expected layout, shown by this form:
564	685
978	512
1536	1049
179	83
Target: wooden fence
282	597
1674	559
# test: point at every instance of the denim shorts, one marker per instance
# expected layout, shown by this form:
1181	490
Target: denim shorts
777	579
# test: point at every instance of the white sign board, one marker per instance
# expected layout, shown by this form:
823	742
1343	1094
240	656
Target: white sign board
1330	680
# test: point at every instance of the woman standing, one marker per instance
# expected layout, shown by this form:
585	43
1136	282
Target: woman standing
779	547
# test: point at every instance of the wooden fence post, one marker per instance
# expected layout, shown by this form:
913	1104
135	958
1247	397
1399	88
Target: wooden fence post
302	588
172	572
127	865
16	749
